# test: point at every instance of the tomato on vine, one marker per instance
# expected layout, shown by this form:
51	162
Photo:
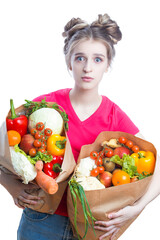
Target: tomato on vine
94	155
122	140
40	126
48	132
94	172
99	161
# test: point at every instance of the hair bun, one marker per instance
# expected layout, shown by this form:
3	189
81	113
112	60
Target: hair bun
72	26
109	26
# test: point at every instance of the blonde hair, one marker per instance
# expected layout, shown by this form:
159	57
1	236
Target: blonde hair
103	29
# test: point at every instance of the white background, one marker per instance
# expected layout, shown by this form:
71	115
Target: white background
32	63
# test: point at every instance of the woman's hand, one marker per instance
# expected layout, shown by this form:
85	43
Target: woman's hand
17	189
117	219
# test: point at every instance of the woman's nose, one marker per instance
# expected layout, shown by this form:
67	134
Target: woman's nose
88	66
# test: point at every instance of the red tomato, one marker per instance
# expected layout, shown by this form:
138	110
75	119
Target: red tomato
39	126
38	135
32	152
48	132
122	140
42	150
135	149
129	144
101	169
95	172
33	131
108	153
37	143
99	161
94	155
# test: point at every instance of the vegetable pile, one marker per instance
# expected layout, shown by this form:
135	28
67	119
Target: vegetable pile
119	162
37	142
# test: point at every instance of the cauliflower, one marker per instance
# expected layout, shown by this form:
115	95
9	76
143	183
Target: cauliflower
22	166
85	166
82	175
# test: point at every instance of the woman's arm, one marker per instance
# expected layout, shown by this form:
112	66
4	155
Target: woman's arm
118	219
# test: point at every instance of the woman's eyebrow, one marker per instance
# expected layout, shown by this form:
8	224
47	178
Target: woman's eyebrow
95	54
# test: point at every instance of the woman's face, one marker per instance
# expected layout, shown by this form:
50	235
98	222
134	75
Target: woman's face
88	63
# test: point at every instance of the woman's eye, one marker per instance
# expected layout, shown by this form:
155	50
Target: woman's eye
80	59
97	59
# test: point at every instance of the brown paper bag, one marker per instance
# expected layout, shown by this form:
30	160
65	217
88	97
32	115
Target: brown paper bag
49	203
110	199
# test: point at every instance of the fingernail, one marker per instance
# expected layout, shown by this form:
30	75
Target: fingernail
109	215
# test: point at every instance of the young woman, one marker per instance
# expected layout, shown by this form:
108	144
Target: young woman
89	51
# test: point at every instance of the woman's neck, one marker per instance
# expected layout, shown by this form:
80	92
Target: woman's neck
85	102
85	97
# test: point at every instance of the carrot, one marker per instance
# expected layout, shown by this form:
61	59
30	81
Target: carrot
47	183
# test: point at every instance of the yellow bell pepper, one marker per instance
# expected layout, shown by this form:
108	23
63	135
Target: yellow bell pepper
56	145
144	161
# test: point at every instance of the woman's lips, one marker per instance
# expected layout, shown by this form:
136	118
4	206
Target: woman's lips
87	79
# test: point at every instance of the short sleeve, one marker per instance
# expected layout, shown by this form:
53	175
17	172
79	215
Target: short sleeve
123	123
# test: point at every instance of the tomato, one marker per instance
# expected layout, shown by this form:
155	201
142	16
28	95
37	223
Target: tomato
108	152
122	140
99	161
37	143
33	131
39	126
129	144
13	137
43	145
101	169
135	149
94	155
48	132
95	172
101	154
42	150
38	135
32	152
120	177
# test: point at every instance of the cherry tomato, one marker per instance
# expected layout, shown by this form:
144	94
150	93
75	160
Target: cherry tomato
99	161
37	143
108	153
129	144
135	149
33	131
95	172
39	126
38	135
43	145
101	153
48	132
42	150
101	169
32	152
122	140
94	155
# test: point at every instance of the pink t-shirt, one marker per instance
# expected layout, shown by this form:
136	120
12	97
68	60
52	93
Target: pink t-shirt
108	117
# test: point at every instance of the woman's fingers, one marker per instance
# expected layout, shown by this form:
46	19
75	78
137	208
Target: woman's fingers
112	231
17	203
28	201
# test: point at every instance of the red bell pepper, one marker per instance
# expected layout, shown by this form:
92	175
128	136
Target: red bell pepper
15	122
53	168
